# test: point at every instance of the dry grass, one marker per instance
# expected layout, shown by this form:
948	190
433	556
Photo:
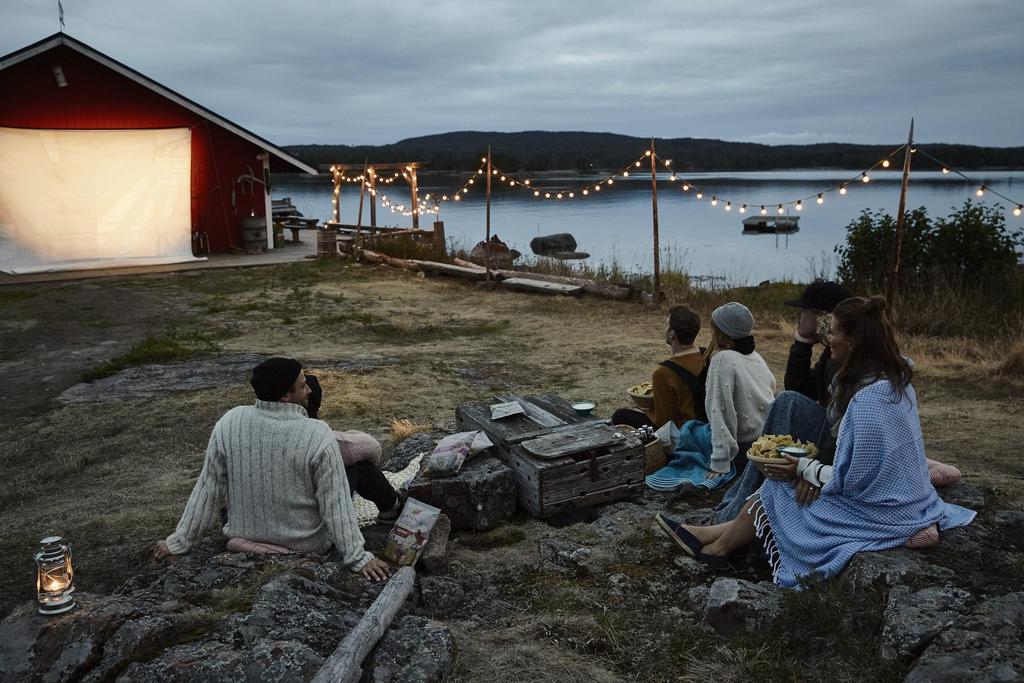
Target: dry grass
403	428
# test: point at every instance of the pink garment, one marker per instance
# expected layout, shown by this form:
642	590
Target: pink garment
357	446
942	474
924	538
241	545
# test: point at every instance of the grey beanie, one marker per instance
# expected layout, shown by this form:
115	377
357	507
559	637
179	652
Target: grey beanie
734	319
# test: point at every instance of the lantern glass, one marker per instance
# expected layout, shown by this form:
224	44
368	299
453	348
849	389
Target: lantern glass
55	576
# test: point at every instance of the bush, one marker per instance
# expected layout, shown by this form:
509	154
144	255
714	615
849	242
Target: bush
959	274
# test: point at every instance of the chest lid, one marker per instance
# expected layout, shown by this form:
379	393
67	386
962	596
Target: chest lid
578	438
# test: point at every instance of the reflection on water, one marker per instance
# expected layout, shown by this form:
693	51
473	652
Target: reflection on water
615	224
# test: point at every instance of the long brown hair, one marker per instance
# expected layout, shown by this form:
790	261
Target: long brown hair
873	348
720	341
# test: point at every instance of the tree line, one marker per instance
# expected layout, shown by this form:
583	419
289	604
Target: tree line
533	151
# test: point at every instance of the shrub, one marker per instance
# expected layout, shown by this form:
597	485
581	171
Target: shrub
959	274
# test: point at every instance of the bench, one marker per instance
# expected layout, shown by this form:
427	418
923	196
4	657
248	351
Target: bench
297	224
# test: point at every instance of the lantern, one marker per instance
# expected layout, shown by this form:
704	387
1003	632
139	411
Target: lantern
55	577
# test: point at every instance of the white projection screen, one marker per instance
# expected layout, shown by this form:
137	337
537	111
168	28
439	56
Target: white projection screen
77	199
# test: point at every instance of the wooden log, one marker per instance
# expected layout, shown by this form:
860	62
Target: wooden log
449	269
345	663
467	264
541	286
599	289
376	257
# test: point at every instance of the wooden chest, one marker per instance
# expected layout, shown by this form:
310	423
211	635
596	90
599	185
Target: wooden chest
559	459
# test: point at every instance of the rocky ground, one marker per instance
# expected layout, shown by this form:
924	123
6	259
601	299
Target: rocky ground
599	595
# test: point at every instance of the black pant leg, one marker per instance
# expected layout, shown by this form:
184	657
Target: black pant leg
366	479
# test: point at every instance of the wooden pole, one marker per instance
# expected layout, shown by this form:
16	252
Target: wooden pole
487	239
373	198
362	192
892	290
345	663
415	199
654	215
337	196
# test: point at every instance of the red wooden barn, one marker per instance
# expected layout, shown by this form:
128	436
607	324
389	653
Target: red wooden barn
100	165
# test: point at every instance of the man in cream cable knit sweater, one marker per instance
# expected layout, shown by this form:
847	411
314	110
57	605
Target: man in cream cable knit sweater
281	474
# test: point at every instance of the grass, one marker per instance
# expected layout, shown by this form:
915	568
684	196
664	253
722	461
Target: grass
174	346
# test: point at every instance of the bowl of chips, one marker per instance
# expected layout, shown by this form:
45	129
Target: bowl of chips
769	449
642	395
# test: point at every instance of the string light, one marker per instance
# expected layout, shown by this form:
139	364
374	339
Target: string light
821	198
686	187
728	206
945	171
980	191
714	201
885	163
1017	211
864	178
799	205
842	190
780	209
743	209
700	195
764	212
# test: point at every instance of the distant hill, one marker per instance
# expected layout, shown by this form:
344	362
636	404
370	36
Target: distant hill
545	151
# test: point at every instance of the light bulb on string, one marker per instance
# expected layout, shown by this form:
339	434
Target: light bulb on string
646	154
611	181
945	171
885	163
597	188
668	162
743	209
494	172
728	206
673	178
780	209
472	180
526	182
764	211
558	196
842	190
1018	209
686	187
502	178
571	195
864	178
625	174
714	201
536	193
700	195
821	198
547	195
637	164
980	191
799	206
586	192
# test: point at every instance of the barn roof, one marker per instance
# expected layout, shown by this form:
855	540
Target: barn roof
64	39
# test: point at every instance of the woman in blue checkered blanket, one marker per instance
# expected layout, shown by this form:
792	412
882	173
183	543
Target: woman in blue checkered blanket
876	494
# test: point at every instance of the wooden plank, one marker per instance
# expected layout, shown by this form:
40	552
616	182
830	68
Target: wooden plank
580	438
526	436
345	663
596	498
479	416
534	412
541	287
583	488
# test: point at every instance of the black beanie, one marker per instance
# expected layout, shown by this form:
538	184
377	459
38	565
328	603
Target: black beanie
274	377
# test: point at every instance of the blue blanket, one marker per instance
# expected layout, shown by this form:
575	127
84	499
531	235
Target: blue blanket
879	495
689	462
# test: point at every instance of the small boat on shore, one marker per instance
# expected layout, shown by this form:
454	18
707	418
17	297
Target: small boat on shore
771	225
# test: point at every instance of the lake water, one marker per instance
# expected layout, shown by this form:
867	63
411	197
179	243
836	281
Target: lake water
615	224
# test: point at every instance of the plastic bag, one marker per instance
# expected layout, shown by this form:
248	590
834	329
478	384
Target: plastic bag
410	533
451	452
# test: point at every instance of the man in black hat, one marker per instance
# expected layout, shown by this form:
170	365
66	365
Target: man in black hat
816	305
281	476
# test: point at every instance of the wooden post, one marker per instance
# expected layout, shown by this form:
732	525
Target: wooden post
654	214
337	195
345	663
892	290
373	198
415	200
439	244
362	192
487	238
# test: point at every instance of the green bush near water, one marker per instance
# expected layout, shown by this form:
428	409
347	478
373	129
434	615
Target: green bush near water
960	274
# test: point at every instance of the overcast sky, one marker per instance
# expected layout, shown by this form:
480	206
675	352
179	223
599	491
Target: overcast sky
373	72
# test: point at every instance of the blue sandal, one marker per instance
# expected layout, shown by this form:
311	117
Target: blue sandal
690	544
